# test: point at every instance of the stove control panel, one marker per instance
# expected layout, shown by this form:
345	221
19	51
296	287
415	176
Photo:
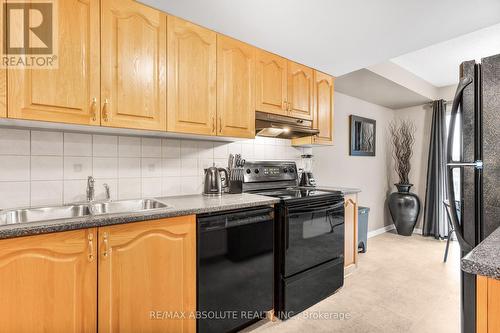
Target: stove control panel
270	171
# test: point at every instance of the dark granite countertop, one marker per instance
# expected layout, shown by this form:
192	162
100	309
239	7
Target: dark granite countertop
484	259
177	206
344	190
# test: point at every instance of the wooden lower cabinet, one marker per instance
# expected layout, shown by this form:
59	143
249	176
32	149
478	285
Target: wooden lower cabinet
488	305
146	271
146	280
48	283
351	232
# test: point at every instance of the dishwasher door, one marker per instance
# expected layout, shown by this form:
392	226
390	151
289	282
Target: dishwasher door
235	268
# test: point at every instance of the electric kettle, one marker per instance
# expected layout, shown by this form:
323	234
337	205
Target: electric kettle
215	181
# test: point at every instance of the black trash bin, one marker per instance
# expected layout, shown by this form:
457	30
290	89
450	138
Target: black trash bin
362	228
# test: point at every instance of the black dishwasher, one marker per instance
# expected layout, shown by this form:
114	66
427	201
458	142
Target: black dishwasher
235	268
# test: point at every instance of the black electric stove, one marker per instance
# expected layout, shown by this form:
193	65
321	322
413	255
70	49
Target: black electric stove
293	193
308	236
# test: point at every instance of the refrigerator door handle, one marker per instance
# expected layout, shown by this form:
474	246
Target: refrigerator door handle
477	164
452	208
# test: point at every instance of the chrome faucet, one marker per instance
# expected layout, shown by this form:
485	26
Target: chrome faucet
90	188
107	191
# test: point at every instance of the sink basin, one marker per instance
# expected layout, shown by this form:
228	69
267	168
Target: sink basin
127	206
78	210
42	214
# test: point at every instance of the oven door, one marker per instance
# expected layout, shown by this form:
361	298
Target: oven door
313	234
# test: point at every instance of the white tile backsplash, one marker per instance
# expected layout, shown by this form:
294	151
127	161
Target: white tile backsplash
105	146
151	147
46	193
129	146
46	143
51	167
46	168
105	167
77	167
14	194
14	142
77	144
14	168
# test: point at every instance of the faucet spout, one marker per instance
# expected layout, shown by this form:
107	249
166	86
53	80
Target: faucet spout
107	191
90	189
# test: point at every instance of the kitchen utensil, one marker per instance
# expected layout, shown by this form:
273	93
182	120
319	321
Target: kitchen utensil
214	184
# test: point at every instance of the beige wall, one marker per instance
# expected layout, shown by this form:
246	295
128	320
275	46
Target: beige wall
334	167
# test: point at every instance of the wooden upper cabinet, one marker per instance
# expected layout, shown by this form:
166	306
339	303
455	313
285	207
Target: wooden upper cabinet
271	83
323	106
235	88
192	76
133	65
70	92
48	283
146	267
300	91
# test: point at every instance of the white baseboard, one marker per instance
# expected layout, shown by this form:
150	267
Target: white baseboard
381	230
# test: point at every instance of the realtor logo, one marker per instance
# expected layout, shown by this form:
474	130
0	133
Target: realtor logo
29	34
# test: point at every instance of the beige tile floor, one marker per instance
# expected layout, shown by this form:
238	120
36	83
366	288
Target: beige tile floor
400	285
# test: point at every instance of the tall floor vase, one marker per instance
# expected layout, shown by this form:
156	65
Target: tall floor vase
404	207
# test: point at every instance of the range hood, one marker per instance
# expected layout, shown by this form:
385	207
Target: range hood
276	126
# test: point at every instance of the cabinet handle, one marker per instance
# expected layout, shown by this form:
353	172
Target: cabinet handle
92	109
90	238
105	110
284	105
106	245
289	107
213	125
220	124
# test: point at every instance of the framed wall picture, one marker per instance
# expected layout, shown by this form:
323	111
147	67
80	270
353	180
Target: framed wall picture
362	136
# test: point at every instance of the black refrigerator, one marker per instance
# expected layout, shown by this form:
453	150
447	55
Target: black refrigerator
477	107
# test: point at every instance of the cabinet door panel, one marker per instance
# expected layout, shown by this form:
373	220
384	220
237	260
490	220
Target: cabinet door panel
300	91
48	283
351	231
147	267
270	83
70	92
235	88
133	65
323	120
192	52
3	93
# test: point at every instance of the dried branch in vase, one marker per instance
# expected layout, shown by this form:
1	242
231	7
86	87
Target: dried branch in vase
402	138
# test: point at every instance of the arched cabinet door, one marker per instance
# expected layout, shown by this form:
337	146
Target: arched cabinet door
48	283
323	106
146	267
300	91
235	88
133	66
271	83
192	78
68	93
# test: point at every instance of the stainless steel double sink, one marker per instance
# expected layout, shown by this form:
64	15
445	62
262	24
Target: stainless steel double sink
78	210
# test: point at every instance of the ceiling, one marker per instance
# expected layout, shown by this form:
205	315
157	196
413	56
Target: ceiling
371	87
337	36
438	64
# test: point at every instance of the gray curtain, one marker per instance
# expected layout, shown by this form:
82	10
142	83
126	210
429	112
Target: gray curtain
435	223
